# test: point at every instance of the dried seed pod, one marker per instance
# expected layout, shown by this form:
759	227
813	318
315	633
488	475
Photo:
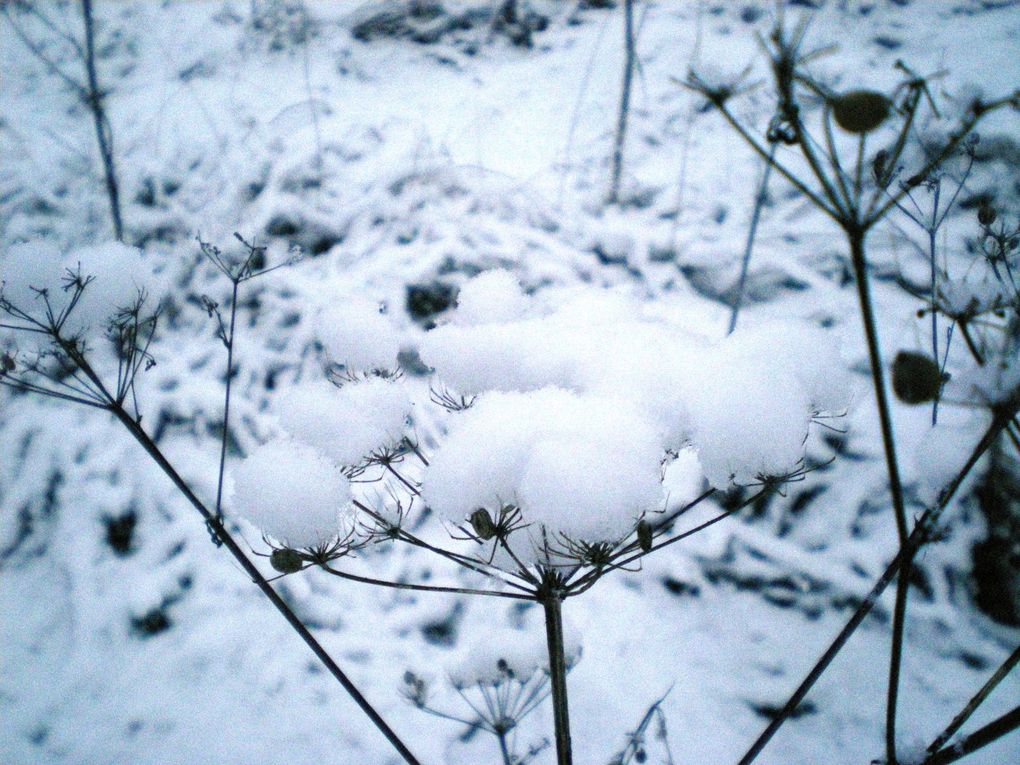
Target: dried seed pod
860	111
482	524
7	364
286	561
644	535
916	378
986	215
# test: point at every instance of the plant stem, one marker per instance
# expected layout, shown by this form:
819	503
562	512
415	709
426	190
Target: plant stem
104	134
759	203
229	342
958	721
621	124
552	604
979	739
914	542
260	581
856	235
503	749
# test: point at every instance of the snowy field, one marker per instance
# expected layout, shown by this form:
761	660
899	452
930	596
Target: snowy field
402	154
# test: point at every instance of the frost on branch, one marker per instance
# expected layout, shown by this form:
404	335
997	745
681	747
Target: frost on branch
347	423
293	494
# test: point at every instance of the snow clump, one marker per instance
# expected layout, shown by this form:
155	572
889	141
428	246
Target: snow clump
492	296
497	656
116	277
356	335
348	423
293	494
743	404
580	466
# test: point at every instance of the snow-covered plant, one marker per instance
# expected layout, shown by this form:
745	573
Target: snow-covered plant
857	155
501	679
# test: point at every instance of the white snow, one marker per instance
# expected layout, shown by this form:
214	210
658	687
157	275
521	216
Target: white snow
492	296
358	335
293	494
346	423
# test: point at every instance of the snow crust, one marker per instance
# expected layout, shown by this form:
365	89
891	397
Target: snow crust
293	494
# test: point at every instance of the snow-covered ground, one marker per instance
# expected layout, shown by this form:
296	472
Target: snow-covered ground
395	163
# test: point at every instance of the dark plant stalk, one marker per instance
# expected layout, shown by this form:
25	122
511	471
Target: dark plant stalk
752	232
979	739
621	123
856	236
552	603
914	542
504	750
228	340
252	571
104	134
1004	669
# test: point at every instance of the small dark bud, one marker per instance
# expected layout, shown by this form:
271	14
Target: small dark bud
7	364
860	111
916	378
286	561
482	524
987	215
914	181
644	535
1013	243
640	756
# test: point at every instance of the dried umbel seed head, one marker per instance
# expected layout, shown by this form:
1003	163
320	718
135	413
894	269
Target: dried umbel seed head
916	378
482	524
286	561
860	111
987	215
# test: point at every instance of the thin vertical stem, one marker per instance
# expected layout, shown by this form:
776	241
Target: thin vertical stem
229	342
628	77
856	237
104	134
503	749
759	203
558	675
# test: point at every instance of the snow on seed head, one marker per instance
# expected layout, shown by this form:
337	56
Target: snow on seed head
492	296
356	334
293	494
348	423
580	466
114	276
